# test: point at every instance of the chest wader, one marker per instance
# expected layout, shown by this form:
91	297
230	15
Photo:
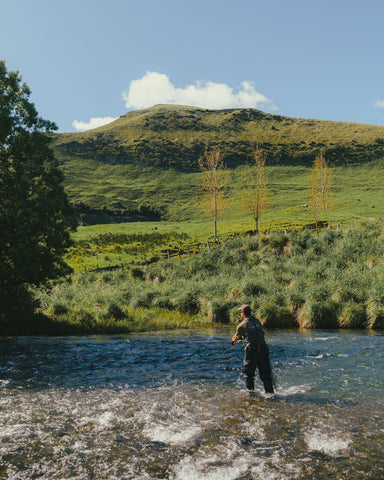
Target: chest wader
257	356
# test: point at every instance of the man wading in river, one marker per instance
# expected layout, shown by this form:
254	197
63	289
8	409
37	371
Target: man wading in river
256	350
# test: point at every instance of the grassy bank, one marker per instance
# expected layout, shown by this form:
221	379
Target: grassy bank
299	279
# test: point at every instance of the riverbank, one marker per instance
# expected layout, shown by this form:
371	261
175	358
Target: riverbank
297	279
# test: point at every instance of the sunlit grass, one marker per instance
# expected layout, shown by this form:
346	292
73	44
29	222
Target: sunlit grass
331	280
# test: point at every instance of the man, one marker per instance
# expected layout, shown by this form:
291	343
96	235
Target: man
256	350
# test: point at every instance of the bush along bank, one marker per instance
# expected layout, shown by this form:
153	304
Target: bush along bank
297	279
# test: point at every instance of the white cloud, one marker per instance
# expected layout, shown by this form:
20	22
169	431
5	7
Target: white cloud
93	123
156	88
379	104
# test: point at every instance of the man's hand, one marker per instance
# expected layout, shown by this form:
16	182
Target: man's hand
234	340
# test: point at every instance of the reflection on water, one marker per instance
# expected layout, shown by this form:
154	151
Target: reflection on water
173	406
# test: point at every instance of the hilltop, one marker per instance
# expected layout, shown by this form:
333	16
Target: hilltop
176	136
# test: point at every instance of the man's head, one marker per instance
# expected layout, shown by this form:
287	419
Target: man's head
245	310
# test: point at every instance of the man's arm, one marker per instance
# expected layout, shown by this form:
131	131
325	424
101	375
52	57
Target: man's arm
240	333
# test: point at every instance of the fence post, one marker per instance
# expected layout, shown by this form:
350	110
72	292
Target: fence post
208	246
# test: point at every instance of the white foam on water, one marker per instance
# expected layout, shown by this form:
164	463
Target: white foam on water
322	339
12	430
328	442
254	429
230	462
105	420
294	390
173	434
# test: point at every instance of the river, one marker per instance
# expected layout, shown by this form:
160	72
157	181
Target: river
173	406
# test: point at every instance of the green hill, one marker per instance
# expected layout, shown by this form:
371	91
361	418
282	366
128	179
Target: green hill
143	166
175	136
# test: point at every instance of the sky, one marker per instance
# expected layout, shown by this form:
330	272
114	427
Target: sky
89	61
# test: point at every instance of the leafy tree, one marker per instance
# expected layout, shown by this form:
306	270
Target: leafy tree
35	216
215	178
321	182
255	198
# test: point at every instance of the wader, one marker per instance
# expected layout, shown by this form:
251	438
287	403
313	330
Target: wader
257	355
259	358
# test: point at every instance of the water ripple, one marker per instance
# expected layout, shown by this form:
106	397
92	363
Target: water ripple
173	406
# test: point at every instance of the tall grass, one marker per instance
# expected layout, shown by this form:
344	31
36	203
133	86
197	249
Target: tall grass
331	280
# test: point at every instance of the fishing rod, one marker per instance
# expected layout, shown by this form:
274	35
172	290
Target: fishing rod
230	348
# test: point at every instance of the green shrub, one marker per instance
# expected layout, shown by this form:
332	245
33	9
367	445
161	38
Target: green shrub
278	241
143	300
353	315
375	313
163	301
187	303
301	239
85	319
329	237
272	315
252	289
343	294
59	309
138	273
295	300
234	315
319	292
318	314
107	278
114	311
219	312
252	245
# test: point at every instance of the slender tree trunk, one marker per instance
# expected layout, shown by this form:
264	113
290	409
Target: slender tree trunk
215	217
315	215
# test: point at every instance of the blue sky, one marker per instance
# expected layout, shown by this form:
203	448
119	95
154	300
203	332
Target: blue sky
92	59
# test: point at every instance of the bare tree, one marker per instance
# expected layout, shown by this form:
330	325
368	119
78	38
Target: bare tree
215	179
255	198
321	182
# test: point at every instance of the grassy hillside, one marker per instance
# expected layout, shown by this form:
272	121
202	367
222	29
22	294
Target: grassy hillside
143	166
175	136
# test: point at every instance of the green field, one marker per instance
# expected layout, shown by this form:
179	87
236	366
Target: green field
358	193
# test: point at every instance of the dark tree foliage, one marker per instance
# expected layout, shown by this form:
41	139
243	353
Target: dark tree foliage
35	216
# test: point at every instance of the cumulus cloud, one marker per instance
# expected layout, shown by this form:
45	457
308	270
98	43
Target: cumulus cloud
379	104
94	122
155	88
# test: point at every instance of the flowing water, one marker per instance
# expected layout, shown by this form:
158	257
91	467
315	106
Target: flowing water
173	406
